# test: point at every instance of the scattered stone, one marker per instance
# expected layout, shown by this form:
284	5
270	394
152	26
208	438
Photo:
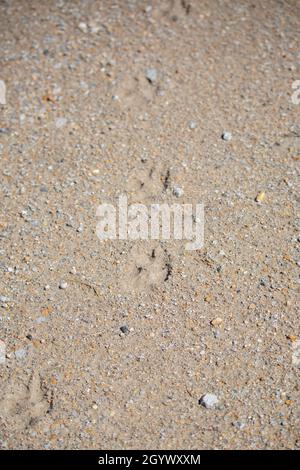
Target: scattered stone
20	353
216	321
238	425
40	320
263	281
60	122
63	285
192	125
94	27
95	407
292	338
260	196
83	27
151	75
178	192
124	329
47	287
29	337
226	136
80	228
296	353
2	352
209	400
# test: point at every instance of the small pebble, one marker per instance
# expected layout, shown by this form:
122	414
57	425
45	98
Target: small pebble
292	338
60	122
263	281
40	320
151	75
192	125
226	136
63	285
178	192
124	329
216	321
238	424
83	27
260	196
209	400
20	353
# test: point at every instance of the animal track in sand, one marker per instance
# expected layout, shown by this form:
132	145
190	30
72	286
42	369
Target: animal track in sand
134	92
148	183
172	9
25	402
147	267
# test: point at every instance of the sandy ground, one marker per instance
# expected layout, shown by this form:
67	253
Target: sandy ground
82	124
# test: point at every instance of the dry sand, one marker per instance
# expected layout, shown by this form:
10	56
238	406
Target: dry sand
83	124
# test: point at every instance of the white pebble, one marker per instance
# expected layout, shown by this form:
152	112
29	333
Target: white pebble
178	192
63	285
20	353
226	136
209	400
83	27
192	125
151	75
40	320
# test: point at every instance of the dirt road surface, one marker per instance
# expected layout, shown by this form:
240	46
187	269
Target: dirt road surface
113	344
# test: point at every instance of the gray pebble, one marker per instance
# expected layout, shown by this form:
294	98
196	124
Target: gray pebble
209	400
192	125
40	320
20	353
124	329
238	424
151	75
226	136
178	192
263	281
